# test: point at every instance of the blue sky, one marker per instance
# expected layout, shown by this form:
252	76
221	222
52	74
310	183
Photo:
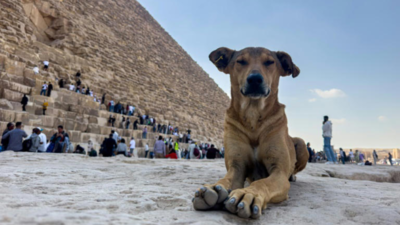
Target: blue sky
348	53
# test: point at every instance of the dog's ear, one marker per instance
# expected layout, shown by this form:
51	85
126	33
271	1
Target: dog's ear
221	58
288	66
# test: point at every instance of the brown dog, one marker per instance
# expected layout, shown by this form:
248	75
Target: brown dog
256	140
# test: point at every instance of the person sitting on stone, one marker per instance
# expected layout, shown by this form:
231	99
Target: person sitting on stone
213	153
71	87
36	70
109	145
35	140
79	150
122	148
4	142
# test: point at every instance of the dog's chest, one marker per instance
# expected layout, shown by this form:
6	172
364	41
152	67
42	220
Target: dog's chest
259	170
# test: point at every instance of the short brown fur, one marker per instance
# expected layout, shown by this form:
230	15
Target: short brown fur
256	140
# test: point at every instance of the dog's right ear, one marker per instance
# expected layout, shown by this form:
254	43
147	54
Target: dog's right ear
221	58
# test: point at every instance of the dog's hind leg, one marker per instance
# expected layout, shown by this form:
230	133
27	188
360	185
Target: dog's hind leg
301	156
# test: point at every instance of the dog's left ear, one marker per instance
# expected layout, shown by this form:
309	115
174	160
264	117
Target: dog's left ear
221	58
288	67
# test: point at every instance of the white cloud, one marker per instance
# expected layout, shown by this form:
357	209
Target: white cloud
338	121
382	118
312	100
332	93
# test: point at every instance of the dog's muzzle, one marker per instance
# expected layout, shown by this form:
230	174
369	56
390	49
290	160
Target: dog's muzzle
255	87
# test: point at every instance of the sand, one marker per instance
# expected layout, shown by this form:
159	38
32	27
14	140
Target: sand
73	189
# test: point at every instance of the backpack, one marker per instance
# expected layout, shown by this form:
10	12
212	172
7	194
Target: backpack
26	145
196	152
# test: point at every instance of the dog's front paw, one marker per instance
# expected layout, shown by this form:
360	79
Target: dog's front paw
210	197
245	203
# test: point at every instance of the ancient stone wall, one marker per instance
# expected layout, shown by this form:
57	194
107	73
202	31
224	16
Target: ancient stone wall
120	50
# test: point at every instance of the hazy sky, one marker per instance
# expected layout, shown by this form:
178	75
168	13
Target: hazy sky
348	53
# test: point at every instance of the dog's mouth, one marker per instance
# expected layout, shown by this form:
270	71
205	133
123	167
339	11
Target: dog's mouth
255	92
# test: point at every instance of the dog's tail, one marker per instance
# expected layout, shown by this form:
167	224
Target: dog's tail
301	154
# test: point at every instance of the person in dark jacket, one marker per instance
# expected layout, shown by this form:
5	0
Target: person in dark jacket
59	139
78	74
135	127
213	153
61	83
310	152
109	145
87	91
4	142
49	89
24	102
103	99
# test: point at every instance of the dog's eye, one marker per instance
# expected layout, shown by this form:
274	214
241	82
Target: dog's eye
269	62
242	62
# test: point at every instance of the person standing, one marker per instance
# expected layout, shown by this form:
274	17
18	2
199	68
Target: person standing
4	142
146	150
159	148
342	156
135	127
145	132
24	102
43	140
310	152
356	156
45	105
78	74
351	155
128	122
375	155
115	135
103	98
390	159
15	138
49	89
132	146
327	135
109	144
44	88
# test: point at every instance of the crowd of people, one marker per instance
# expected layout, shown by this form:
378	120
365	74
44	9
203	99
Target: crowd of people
331	157
15	138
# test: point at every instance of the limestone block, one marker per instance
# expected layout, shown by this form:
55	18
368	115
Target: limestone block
104	130
93	128
23	117
29	77
5	104
14	67
74	135
93	119
7	116
15	86
12	95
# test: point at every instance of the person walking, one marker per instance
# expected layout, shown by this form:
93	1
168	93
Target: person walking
375	155
45	105
15	137
49	89
132	146
327	135
44	88
390	159
24	102
159	148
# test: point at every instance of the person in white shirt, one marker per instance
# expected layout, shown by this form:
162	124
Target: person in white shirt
43	140
91	93
132	146
327	135
36	69
146	150
46	65
351	154
71	87
115	135
44	88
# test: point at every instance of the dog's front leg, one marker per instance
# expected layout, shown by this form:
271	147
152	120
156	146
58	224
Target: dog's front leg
249	202
236	160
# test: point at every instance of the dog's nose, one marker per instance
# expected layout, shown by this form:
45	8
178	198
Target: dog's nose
255	79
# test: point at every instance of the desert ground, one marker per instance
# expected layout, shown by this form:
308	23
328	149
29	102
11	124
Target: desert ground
74	189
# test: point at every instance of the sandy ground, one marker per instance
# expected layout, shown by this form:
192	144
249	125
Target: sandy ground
72	189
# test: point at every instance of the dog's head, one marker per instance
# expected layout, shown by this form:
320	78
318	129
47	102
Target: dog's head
254	72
